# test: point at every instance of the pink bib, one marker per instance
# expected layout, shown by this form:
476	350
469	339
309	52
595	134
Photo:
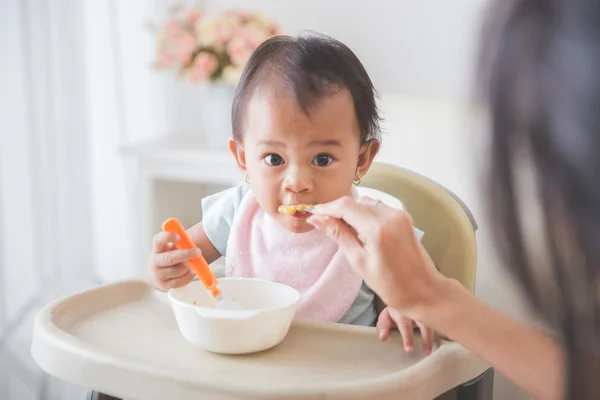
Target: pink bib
259	247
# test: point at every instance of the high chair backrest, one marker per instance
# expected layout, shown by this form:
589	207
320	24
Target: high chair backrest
448	224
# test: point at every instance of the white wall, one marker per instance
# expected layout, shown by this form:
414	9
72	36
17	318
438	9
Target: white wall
416	47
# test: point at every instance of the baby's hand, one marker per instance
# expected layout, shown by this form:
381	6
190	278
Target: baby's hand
391	318
167	265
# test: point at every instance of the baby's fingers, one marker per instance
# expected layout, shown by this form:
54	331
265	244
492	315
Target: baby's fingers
384	324
172	272
161	241
182	280
405	326
426	338
169	277
174	257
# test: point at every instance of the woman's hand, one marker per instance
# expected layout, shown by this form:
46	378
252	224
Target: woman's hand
380	243
395	265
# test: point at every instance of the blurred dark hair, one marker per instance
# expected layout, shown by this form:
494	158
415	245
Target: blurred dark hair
541	80
312	66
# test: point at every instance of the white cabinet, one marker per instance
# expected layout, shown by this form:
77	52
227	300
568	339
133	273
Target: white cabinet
172	175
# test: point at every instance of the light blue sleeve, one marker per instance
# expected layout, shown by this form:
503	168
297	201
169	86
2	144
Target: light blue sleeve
363	311
218	213
419	234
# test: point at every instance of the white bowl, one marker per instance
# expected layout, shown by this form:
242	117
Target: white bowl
268	309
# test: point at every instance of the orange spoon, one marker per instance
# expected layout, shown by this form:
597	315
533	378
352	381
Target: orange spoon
199	265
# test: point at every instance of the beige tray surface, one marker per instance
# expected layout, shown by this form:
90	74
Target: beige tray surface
122	339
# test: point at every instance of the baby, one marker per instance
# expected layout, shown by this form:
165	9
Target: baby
305	129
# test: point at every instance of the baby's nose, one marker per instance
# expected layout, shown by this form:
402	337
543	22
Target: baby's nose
297	181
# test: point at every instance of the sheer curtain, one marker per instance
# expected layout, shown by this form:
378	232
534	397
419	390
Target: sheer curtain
45	200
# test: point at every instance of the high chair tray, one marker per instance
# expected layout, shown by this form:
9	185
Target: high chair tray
122	339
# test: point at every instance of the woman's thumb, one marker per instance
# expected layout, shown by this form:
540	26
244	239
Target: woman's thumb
342	234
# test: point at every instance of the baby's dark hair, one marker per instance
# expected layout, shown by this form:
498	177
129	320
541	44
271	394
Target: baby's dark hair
312	66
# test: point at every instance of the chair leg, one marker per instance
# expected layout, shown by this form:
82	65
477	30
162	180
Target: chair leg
92	395
480	388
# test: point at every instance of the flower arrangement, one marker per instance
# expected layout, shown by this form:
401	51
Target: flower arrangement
211	47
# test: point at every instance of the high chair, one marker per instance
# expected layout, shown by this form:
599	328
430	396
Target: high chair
449	239
122	338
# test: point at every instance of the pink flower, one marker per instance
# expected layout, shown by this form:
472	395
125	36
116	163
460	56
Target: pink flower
173	28
244	17
215	30
165	59
223	33
238	50
234	15
204	66
225	28
193	16
242	44
230	34
185	45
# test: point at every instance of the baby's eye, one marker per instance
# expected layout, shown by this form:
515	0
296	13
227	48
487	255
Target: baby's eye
274	160
322	160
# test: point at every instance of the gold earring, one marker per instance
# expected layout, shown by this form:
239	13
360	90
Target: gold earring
357	181
247	178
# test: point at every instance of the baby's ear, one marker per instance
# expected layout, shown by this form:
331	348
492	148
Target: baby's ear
368	151
237	150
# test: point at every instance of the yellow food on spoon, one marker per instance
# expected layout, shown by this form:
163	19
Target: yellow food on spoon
291	210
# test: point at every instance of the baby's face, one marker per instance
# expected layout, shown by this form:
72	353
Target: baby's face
294	158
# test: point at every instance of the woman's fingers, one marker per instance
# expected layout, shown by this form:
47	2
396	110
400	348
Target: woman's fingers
356	214
344	235
372	220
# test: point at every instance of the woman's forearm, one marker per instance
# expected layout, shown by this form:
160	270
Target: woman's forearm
528	357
